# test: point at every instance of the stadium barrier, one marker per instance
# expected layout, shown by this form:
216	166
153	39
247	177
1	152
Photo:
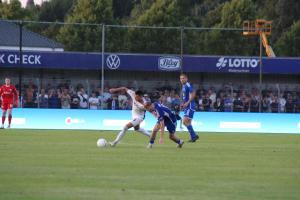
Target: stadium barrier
115	120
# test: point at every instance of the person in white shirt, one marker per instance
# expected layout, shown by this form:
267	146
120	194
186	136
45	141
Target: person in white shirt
83	98
138	113
94	102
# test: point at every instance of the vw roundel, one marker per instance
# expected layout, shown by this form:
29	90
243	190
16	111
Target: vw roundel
169	63
113	61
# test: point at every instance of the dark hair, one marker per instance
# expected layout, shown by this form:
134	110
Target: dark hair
139	93
183	74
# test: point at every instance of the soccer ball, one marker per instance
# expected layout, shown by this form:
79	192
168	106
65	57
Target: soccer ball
101	142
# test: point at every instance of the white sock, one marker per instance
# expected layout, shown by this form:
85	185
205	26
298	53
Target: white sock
144	132
120	135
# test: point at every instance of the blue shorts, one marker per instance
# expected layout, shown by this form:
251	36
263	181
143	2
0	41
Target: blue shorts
171	126
189	113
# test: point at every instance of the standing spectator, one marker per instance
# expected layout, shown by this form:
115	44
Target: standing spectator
106	97
53	100
83	103
113	103
282	103
122	98
238	105
74	100
219	105
228	103
289	106
254	104
43	99
206	103
265	104
93	101
30	97
274	104
65	99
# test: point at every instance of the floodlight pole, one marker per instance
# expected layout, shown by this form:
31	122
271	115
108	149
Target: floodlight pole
102	61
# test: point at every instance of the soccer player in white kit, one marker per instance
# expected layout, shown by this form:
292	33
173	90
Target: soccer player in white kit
138	113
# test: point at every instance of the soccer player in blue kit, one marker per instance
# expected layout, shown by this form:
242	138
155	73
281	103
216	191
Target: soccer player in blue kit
164	114
188	106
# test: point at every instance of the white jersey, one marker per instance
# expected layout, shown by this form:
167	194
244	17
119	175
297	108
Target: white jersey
138	110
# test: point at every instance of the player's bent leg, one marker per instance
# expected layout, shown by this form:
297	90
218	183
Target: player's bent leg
121	134
139	129
179	142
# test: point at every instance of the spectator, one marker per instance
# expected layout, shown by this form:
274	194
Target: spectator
83	103
53	100
219	105
282	103
123	100
65	99
43	99
254	104
265	104
228	104
93	101
274	104
113	103
289	106
238	105
74	100
206	103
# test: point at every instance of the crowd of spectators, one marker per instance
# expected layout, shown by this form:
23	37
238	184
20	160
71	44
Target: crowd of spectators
222	99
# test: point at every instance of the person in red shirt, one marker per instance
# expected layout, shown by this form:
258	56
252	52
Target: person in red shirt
9	98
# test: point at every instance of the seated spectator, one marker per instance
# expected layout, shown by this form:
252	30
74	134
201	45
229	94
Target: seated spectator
93	101
265	104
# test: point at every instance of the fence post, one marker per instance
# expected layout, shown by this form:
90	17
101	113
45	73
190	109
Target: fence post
102	63
260	73
20	61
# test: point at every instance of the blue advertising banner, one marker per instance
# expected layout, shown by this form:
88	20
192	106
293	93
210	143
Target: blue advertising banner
115	120
147	62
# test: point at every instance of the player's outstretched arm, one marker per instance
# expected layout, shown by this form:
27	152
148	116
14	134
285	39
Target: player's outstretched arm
113	90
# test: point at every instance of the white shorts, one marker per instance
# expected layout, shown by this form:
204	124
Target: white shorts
136	121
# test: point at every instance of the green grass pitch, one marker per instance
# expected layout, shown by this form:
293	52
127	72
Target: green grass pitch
50	164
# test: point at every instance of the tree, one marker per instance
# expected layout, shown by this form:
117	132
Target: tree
289	43
86	37
223	42
30	3
12	10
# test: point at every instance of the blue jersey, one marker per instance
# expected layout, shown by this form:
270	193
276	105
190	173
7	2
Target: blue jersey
187	89
164	113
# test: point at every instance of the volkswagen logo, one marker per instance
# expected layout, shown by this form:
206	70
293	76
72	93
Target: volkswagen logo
113	61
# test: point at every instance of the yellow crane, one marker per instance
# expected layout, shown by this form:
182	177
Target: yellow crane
260	27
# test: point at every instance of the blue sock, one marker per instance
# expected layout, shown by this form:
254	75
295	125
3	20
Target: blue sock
191	131
151	141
